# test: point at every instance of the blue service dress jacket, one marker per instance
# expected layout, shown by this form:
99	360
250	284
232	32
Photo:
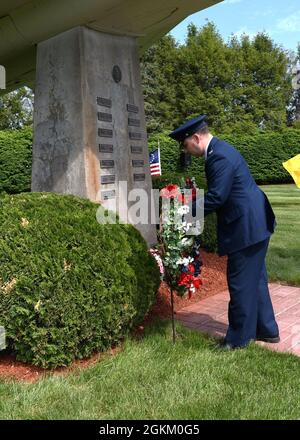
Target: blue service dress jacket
244	214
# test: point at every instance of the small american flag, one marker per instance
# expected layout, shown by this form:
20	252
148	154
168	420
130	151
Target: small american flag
154	160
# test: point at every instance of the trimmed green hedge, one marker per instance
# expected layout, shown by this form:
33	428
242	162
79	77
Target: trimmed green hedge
69	286
264	153
15	160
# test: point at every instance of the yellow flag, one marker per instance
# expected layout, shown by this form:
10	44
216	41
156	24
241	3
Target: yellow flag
293	167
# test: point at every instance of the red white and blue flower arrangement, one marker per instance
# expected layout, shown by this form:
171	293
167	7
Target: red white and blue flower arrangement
178	252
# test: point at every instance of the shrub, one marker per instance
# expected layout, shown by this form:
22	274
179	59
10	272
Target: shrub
69	285
263	151
15	160
209	239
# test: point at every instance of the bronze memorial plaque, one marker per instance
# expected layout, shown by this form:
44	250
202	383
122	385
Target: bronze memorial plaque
105	132
137	163
138	177
134	122
104	102
136	149
110	178
106	148
107	163
135	135
106	117
132	108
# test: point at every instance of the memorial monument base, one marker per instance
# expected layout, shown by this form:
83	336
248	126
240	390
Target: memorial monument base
89	121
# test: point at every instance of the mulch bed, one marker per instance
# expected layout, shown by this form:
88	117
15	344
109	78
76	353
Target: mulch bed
214	281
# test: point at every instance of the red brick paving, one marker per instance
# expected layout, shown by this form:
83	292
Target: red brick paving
210	316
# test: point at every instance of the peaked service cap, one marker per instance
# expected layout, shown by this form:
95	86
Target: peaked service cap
190	127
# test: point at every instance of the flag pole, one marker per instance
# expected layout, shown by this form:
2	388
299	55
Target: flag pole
159	150
159	157
173	323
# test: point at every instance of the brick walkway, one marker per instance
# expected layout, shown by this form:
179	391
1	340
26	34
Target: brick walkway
210	316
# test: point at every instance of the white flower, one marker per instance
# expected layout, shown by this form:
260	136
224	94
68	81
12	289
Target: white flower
184	261
183	210
186	241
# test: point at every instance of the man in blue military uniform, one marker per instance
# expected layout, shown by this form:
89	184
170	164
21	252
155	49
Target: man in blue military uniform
245	223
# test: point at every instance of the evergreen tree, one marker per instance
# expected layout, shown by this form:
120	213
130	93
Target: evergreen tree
242	85
158	68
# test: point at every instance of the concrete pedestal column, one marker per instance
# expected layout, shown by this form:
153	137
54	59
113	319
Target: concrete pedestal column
89	121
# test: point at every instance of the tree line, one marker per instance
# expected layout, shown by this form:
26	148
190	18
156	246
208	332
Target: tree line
243	85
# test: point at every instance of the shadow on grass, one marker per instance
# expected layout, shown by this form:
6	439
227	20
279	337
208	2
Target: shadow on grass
188	337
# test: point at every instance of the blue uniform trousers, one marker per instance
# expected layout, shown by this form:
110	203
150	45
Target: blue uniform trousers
250	310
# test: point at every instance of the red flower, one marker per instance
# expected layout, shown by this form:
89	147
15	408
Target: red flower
172	187
170	191
191	268
184	279
197	282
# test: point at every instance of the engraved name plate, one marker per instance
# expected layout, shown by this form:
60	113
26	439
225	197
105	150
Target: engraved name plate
104	102
106	148
132	108
106	117
136	149
135	135
107	163
138	177
104	132
134	122
137	163
110	178
106	195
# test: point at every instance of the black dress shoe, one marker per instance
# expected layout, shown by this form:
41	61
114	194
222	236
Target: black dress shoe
225	346
272	340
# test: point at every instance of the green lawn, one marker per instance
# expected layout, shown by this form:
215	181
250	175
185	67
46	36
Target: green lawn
283	260
152	379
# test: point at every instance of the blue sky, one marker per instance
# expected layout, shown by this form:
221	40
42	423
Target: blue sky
280	19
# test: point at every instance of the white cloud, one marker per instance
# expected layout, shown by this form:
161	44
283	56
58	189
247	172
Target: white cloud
244	30
291	23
